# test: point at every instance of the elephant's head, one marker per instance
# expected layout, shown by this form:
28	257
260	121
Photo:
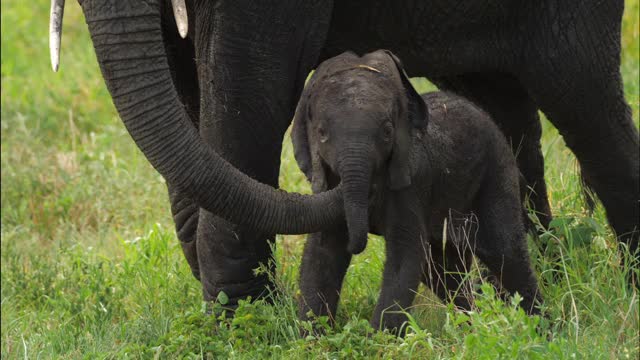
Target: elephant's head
355	119
128	40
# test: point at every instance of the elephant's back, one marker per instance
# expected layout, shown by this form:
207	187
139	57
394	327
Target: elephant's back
450	109
460	126
462	145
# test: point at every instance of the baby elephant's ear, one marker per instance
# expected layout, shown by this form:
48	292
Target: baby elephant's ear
399	168
299	135
417	109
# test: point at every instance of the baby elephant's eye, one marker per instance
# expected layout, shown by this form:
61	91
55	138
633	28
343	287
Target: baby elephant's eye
387	131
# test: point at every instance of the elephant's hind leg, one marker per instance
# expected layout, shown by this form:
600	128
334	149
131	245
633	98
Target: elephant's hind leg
580	90
501	244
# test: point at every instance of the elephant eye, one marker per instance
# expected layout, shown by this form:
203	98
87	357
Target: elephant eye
387	131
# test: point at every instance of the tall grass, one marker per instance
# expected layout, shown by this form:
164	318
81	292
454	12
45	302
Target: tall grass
91	266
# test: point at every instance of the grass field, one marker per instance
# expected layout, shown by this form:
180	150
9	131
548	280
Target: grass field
91	267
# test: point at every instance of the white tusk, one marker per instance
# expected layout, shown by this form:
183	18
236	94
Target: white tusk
180	14
55	32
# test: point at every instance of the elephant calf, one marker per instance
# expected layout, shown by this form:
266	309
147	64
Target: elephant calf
409	166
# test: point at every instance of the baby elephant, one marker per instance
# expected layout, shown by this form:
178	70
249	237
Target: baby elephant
432	174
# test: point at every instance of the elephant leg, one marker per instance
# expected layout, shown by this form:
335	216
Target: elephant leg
502	244
252	62
401	277
405	241
513	110
596	124
445	272
582	95
180	55
229	255
324	264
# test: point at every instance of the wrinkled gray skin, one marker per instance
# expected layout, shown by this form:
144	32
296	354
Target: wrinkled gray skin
210	111
404	169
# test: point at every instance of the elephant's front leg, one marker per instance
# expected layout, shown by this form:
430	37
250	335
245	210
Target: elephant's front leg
252	60
324	264
405	241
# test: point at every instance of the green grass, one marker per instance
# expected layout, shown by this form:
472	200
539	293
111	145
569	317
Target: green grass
91	266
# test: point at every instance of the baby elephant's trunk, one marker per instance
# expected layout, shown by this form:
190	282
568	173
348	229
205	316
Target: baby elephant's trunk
355	173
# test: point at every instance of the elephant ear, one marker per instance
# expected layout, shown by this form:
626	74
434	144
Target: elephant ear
308	162
299	136
417	109
416	116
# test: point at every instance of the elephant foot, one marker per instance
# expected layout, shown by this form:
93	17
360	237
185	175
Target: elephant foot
229	257
229	295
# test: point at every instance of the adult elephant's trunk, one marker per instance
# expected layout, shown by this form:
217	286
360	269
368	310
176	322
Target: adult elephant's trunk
128	41
355	169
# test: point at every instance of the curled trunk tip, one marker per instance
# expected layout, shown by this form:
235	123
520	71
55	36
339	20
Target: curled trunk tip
358	225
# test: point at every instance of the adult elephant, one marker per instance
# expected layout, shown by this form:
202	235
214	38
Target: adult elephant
228	91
